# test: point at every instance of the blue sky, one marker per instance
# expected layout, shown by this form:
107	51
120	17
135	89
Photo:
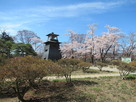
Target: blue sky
59	16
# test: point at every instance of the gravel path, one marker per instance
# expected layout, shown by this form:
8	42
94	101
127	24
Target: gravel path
115	70
90	75
83	76
106	69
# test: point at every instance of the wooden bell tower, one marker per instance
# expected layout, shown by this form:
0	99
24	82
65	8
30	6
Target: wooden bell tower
52	49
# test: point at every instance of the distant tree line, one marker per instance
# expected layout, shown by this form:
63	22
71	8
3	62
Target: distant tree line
23	44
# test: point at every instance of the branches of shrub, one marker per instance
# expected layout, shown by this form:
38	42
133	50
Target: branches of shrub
84	65
125	68
25	73
100	65
68	66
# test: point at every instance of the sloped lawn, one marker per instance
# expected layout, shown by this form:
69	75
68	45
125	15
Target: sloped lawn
104	89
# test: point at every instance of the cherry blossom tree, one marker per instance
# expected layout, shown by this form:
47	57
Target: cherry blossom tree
70	49
25	36
92	46
90	42
37	43
80	45
128	45
107	41
29	37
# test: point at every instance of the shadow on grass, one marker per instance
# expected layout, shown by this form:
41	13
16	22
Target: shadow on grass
91	71
63	92
107	71
53	92
83	82
49	91
7	93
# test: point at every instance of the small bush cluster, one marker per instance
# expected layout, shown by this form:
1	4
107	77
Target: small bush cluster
100	65
125	68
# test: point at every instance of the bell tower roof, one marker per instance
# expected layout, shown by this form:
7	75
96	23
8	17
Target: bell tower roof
52	38
52	34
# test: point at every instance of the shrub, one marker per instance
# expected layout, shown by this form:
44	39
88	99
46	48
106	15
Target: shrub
133	63
125	69
116	62
23	72
84	65
100	65
68	66
2	60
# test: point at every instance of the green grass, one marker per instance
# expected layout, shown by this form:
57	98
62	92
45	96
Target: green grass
90	71
131	76
103	89
96	89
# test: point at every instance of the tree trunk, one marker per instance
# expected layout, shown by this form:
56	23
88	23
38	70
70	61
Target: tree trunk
100	68
21	94
92	59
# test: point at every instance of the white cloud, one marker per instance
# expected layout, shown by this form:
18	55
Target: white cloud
12	28
11	25
45	12
74	10
22	18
